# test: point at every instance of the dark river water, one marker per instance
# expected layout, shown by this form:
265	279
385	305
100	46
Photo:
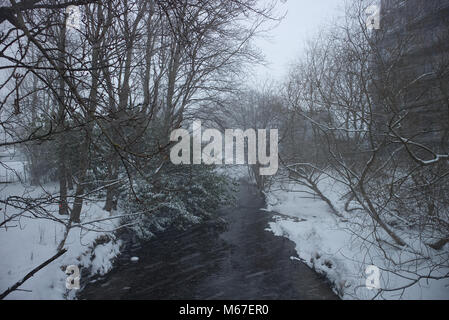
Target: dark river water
240	262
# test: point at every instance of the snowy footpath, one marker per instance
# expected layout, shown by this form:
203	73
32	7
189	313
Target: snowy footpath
339	249
27	241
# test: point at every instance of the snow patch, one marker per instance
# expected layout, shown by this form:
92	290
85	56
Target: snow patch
328	244
27	242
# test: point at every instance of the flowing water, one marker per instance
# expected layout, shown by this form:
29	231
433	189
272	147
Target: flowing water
242	261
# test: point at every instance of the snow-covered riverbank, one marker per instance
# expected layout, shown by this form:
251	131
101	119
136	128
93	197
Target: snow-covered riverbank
342	249
26	242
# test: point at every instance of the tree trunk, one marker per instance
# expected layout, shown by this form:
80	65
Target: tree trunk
111	191
63	207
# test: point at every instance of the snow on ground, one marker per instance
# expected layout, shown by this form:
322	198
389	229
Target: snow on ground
11	170
28	242
327	244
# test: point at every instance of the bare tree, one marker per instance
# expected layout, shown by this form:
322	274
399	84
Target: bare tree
92	107
379	128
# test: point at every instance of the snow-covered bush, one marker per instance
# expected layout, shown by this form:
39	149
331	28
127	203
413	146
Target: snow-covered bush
181	196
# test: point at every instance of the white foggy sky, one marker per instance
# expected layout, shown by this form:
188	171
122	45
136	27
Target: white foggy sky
286	41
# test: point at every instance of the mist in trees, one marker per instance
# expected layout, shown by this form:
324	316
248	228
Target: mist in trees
363	115
92	106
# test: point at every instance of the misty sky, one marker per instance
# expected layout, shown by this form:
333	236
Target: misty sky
286	41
